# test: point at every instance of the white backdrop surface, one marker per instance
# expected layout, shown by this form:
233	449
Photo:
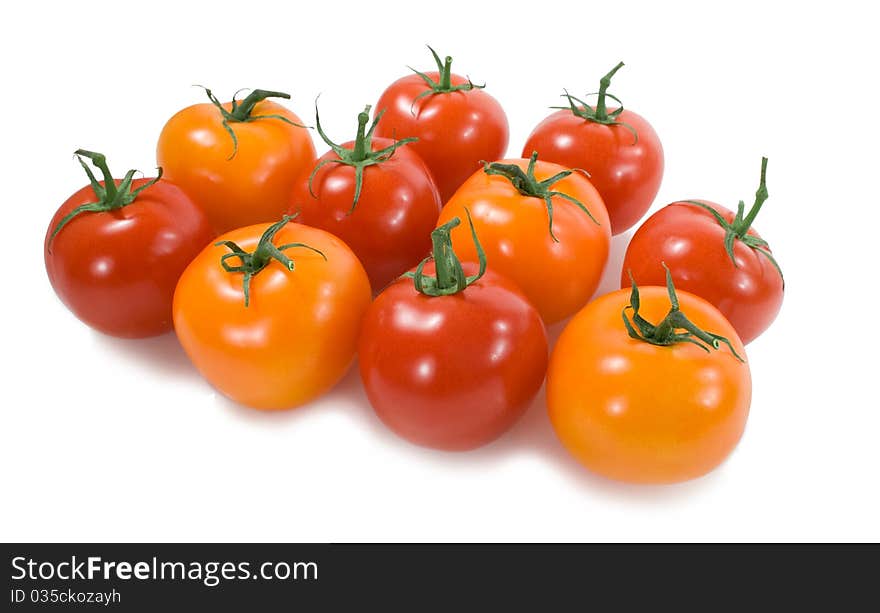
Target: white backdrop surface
104	439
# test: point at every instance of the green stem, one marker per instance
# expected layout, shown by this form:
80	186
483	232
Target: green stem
739	228
266	251
446	74
360	155
110	196
362	143
449	277
527	184
600	114
443	84
666	333
242	112
604	83
742	224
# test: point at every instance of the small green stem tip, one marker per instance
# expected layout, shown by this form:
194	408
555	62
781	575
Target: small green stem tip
667	332
109	195
252	263
738	229
599	113
443	84
360	155
449	277
527	185
241	111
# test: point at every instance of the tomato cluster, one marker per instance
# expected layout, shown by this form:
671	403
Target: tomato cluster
275	268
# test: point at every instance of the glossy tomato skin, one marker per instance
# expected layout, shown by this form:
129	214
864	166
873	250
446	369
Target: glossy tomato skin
452	372
642	413
455	130
297	337
691	242
627	172
390	228
557	277
117	270
253	186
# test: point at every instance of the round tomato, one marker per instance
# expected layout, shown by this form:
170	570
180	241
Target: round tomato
115	249
715	254
451	361
618	147
238	161
543	227
641	392
375	195
457	123
270	314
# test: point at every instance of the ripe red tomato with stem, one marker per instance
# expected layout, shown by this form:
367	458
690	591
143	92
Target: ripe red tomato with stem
457	123
618	147
116	248
452	353
374	194
715	254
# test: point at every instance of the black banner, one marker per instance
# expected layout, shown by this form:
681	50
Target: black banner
172	577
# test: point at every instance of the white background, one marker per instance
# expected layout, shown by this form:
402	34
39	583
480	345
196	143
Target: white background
106	440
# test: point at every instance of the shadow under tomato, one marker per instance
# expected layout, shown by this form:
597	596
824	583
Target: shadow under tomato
159	354
611	275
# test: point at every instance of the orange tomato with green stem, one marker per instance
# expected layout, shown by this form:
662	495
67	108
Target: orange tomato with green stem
270	313
647	402
238	161
542	226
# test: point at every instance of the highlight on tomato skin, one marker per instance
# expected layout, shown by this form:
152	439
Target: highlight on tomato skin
635	411
270	314
115	249
451	355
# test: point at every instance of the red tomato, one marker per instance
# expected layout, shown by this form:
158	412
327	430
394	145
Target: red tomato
451	362
544	227
715	254
641	392
115	249
456	122
376	196
238	161
618	147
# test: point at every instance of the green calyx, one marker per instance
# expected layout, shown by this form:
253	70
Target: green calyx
241	111
266	251
599	113
361	153
667	332
527	185
443	84
738	229
109	195
449	277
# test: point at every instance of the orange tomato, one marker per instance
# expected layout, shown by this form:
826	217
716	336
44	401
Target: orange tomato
558	268
638	412
241	181
287	333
